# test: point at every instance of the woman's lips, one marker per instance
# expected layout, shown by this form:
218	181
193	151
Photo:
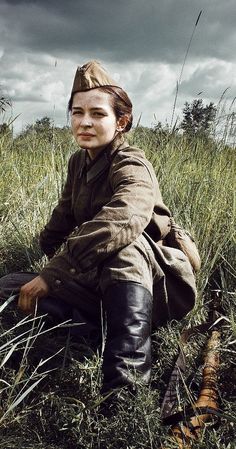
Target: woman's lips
86	135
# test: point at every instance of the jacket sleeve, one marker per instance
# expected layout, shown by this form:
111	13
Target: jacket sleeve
62	220
116	225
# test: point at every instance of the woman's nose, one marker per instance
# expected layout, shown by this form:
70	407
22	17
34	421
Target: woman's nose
86	121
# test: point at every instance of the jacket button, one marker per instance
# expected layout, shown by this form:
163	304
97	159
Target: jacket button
72	270
57	282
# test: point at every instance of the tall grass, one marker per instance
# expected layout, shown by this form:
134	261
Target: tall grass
197	180
32	172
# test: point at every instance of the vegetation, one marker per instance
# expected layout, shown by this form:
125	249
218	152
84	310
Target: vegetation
4	103
43	129
60	409
198	119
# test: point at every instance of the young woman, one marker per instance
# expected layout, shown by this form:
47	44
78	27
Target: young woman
104	238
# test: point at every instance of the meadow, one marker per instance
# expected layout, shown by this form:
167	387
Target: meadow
54	403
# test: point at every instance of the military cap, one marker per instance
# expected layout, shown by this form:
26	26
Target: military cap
90	76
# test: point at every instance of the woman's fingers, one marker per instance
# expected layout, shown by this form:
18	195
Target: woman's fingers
26	303
37	288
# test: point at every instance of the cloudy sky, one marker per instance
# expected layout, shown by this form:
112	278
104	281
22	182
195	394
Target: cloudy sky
142	43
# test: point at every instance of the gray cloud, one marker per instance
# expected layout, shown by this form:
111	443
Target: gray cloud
142	43
211	80
121	30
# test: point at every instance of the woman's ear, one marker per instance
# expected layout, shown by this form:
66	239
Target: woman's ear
122	122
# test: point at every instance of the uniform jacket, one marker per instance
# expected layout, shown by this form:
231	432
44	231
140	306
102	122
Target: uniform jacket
105	205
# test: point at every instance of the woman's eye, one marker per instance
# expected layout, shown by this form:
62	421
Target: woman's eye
94	114
99	114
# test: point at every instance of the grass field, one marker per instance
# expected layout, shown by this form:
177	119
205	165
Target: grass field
59	410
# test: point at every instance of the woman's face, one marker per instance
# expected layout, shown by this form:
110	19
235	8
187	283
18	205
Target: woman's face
93	120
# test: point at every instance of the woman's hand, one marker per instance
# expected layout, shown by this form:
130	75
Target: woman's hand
30	292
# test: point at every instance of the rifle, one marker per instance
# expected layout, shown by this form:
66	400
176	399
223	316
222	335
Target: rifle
186	425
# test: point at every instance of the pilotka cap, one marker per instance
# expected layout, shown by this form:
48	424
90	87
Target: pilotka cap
90	76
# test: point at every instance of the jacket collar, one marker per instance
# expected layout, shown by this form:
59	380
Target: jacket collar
97	166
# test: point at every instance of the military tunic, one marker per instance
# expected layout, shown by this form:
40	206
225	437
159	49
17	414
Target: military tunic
110	216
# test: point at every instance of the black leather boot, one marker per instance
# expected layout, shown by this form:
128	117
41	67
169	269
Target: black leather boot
127	354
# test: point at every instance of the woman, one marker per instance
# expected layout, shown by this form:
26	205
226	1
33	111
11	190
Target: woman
110	218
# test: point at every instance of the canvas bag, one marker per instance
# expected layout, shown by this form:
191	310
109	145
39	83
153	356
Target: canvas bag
181	239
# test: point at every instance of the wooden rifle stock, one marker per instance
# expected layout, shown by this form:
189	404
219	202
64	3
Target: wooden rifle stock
190	424
186	433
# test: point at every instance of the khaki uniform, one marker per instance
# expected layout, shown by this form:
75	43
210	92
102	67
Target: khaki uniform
112	220
110	216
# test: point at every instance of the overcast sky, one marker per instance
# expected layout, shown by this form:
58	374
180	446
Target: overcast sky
142	43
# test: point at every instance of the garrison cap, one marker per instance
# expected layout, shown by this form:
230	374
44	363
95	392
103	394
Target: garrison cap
90	76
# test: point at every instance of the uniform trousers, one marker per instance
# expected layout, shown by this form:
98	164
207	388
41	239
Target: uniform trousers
80	299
